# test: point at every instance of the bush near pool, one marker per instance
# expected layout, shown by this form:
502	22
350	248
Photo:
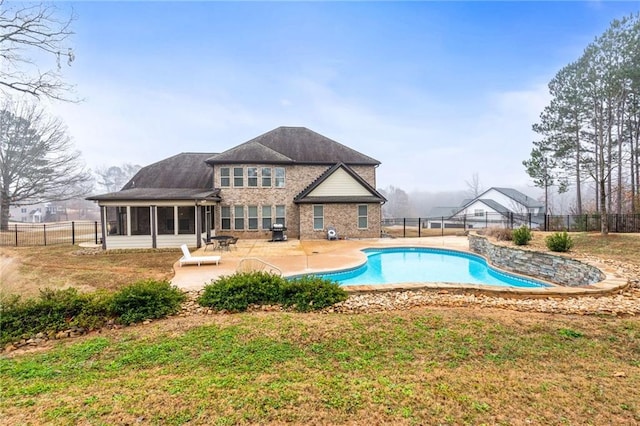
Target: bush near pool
236	292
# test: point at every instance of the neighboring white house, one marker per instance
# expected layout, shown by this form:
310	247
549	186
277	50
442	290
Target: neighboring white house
494	207
38	213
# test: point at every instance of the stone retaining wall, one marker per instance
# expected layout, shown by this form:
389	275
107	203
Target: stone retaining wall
557	269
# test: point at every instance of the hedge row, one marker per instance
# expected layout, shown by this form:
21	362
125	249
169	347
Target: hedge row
56	310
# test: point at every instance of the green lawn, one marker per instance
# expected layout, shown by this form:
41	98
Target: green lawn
425	366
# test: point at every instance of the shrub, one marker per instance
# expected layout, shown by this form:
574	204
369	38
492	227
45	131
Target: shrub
500	234
52	311
146	300
522	236
236	292
311	292
560	241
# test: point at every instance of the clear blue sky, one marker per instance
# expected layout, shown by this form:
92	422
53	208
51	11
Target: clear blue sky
434	90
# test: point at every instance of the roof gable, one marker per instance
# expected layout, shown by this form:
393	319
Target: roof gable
292	145
339	184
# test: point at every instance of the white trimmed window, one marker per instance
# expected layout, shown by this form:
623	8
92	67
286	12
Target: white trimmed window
238	217
266	177
279	181
280	214
318	218
252	216
238	177
225	177
266	217
478	213
225	217
252	176
363	216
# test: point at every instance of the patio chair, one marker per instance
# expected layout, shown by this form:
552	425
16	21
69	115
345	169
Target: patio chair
232	243
208	243
187	259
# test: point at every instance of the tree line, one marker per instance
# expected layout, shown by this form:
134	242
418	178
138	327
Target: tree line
590	130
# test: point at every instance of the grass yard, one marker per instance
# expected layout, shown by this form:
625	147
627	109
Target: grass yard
63	266
425	366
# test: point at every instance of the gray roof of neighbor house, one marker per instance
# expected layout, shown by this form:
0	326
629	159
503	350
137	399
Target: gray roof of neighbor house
439	212
520	197
184	176
290	145
374	197
494	205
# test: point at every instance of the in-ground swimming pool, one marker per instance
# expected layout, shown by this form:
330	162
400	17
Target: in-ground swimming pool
412	264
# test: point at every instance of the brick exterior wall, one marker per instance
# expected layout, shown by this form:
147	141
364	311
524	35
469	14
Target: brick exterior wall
344	218
297	178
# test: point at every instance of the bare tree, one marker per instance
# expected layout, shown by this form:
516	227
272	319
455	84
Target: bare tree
474	185
27	31
37	160
113	178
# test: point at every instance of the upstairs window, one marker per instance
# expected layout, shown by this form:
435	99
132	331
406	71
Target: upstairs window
238	177
478	213
266	177
279	183
225	177
252	176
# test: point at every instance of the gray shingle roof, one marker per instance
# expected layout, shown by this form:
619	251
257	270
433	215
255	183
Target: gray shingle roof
494	205
520	197
185	170
286	145
184	176
159	194
446	212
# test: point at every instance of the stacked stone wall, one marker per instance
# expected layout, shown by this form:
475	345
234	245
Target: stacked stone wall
555	268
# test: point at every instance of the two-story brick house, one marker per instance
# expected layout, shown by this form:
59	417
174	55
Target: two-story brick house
290	176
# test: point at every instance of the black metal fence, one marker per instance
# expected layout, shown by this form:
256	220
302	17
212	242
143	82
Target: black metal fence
43	234
425	226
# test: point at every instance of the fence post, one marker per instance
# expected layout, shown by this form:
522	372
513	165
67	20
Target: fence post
586	223
95	228
616	222
73	233
44	231
16	228
568	217
404	227
419	227
530	219
511	220
442	226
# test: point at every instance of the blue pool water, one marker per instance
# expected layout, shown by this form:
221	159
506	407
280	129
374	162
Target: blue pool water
402	265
